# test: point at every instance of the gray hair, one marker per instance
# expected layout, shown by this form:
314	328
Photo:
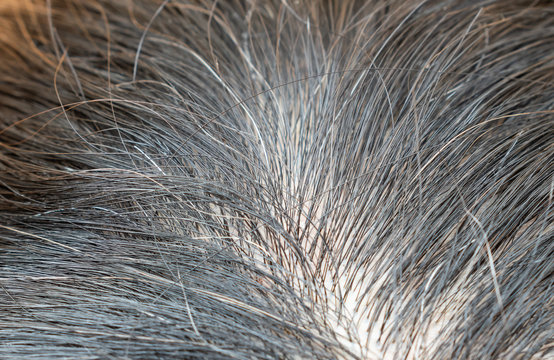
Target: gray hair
277	179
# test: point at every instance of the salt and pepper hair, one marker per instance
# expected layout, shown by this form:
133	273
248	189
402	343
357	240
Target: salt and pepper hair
282	179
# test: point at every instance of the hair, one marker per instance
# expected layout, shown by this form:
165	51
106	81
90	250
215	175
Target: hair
276	179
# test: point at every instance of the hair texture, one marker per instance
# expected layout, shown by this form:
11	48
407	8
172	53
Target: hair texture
280	179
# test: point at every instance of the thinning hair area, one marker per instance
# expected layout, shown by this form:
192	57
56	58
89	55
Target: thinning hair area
276	179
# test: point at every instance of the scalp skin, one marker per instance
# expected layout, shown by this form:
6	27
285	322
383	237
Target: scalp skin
276	179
